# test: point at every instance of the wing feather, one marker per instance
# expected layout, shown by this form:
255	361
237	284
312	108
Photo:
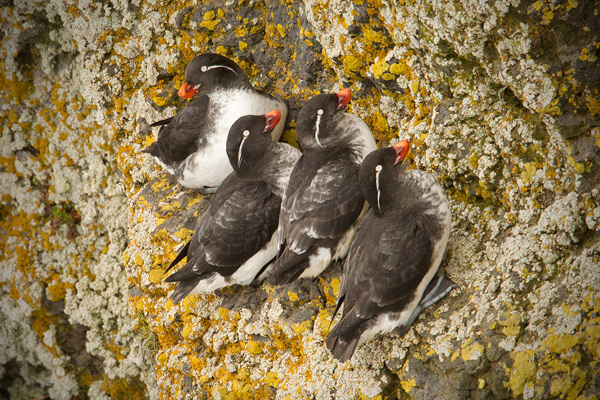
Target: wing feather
183	133
240	220
321	203
385	264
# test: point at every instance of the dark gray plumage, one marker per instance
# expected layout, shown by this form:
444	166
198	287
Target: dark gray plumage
323	200
236	237
396	251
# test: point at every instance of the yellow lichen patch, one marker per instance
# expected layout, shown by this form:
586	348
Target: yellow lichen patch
156	275
593	103
293	296
472	351
408	384
331	289
352	64
40	321
187	331
302	327
184	234
560	343
272	379
123	388
167	209
323	322
254	347
522	372
512	325
158	96
211	23
529	172
16	90
455	355
578	167
587	56
379	68
57	290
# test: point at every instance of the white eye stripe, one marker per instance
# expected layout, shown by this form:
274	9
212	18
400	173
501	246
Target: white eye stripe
240	149
317	124
204	68
378	171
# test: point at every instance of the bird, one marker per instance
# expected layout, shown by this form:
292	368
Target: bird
388	275
323	202
236	238
191	145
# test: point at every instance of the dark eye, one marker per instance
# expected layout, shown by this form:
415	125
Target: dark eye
246	133
378	168
319	112
203	68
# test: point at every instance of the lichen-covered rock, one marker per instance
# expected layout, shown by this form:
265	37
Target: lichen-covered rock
501	99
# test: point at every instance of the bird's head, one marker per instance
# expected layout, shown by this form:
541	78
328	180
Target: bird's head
379	172
248	139
208	72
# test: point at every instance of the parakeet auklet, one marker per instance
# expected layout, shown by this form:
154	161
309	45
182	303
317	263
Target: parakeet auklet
397	249
323	202
236	237
191	145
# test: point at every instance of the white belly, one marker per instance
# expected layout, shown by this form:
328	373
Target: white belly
245	273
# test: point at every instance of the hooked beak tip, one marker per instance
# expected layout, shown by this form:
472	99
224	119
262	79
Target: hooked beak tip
272	118
401	148
344	97
186	91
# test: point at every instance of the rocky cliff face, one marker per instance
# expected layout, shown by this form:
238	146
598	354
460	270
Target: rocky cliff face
501	99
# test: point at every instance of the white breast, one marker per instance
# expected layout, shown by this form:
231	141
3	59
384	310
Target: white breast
209	166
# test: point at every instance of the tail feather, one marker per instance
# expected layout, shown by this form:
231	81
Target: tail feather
288	266
180	256
185	277
264	271
435	291
185	273
337	308
183	289
341	349
152	149
280	276
161	122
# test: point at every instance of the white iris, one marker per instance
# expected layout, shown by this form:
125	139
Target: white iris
318	123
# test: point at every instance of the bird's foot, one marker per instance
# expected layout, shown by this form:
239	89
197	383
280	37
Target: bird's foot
208	190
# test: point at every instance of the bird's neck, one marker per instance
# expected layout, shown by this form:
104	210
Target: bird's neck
358	137
282	158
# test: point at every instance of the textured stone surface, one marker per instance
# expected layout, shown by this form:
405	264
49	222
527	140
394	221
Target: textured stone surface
502	102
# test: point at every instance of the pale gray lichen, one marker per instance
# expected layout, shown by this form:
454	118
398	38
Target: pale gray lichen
523	250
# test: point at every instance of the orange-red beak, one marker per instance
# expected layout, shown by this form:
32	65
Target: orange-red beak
401	148
344	97
271	120
186	91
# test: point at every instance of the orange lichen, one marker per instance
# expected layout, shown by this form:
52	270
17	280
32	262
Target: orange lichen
124	388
